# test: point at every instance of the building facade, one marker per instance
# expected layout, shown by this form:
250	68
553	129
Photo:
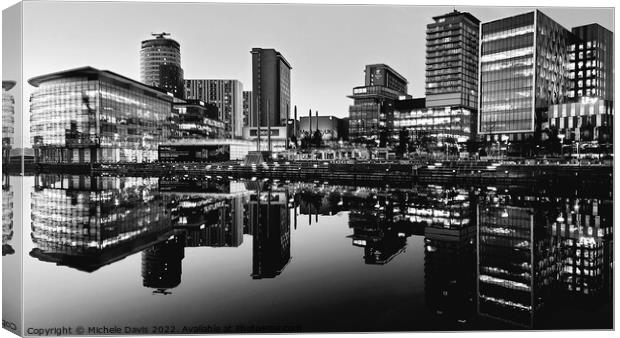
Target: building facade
227	95
437	123
523	70
8	120
248	107
591	66
368	115
160	64
588	120
198	119
271	88
452	60
86	115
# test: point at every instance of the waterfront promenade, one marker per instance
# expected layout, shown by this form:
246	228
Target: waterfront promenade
472	172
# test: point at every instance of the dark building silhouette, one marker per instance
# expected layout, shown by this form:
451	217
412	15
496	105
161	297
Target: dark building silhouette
163	262
449	253
271	251
271	82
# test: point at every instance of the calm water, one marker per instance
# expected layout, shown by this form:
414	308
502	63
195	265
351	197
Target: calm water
272	256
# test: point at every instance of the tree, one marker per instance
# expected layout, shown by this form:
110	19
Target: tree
317	139
306	141
383	138
403	141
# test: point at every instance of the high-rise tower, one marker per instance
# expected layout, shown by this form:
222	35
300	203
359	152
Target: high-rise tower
160	64
452	60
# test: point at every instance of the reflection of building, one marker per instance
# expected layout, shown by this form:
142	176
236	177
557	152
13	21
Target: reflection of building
271	88
371	102
7	216
99	116
517	262
8	119
584	228
523	62
271	232
160	64
211	221
378	226
162	264
227	95
210	212
449	250
452	61
86	222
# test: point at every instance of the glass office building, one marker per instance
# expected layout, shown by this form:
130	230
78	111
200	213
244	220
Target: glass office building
86	115
452	60
438	123
523	70
372	103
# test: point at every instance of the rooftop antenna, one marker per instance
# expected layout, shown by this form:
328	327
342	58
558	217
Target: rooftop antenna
160	35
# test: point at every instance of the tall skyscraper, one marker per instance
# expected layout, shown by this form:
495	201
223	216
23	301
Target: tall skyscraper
592	57
523	70
371	102
160	64
227	95
271	83
248	107
452	60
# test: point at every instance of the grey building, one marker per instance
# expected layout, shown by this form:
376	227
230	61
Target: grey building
271	85
227	95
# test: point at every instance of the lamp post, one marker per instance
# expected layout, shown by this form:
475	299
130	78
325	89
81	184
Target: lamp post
561	137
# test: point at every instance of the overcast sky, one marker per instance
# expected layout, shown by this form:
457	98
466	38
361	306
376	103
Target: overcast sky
327	45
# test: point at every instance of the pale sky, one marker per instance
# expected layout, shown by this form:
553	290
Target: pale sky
327	45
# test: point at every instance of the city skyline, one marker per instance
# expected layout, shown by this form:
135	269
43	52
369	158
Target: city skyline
322	91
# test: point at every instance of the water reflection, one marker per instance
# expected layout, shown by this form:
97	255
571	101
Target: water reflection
7	215
506	256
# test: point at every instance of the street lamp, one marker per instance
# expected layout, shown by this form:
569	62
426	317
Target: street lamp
561	137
